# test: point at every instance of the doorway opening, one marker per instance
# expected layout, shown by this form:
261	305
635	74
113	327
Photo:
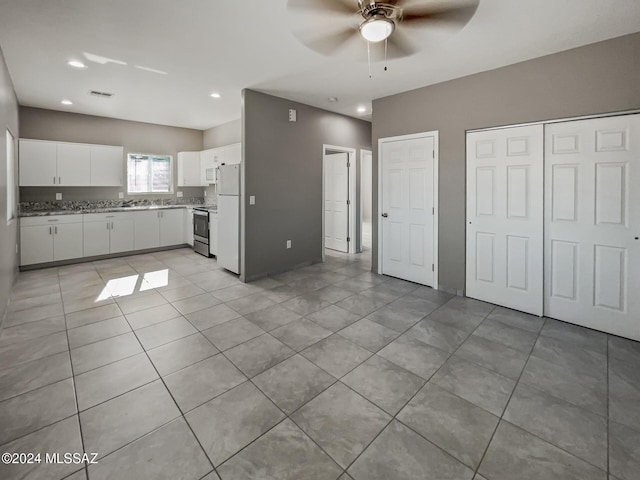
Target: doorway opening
366	201
338	199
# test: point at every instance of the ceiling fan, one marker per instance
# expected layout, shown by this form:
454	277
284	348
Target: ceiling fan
332	25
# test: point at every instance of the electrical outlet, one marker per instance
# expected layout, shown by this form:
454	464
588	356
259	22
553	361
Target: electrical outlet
120	194
180	194
288	243
252	200
58	196
293	115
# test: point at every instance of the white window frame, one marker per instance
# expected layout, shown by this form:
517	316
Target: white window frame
171	187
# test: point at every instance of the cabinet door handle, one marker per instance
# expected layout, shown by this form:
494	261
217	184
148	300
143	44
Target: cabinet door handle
55	229
59	180
54	180
111	225
107	225
50	229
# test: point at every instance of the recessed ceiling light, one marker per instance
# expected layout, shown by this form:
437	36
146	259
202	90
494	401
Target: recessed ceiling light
66	102
333	99
362	109
76	64
215	95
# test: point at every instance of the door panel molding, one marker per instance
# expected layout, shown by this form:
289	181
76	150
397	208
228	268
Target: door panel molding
505	223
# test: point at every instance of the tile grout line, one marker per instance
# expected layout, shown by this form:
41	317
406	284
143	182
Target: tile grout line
182	414
73	380
506	405
394	417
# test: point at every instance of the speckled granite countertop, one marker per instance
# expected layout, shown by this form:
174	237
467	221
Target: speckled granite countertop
43	209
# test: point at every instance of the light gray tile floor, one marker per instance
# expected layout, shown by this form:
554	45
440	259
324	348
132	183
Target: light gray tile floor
324	372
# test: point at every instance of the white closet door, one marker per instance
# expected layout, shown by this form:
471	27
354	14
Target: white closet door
592	224
505	217
407	209
336	194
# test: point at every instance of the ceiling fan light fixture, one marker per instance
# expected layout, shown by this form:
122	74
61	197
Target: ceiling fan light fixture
377	29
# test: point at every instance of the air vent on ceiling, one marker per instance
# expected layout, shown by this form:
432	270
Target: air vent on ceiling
97	93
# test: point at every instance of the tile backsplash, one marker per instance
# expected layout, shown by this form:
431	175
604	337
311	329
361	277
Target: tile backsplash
29	207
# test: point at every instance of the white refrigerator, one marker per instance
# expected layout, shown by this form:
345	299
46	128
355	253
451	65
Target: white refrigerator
229	217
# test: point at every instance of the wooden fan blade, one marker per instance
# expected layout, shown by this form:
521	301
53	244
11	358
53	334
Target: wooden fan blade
441	13
334	6
332	43
399	46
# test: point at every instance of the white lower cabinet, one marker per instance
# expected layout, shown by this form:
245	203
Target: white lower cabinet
121	234
159	228
108	233
64	237
213	234
147	229
96	238
50	239
171	227
188	226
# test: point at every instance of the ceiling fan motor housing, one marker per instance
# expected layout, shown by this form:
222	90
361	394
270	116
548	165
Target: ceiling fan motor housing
372	9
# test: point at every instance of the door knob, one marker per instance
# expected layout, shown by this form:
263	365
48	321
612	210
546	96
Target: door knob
385	215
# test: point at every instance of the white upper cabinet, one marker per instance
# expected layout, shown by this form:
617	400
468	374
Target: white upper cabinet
38	163
209	160
45	163
74	164
189	169
107	166
233	154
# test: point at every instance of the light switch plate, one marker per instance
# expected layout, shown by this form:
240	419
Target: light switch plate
58	196
180	194
288	243
120	195
252	200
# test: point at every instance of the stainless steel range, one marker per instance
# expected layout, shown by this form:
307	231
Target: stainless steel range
201	231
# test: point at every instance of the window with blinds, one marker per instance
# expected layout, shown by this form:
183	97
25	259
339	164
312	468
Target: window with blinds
149	173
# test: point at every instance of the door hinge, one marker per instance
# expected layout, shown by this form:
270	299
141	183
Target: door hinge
348	164
433	267
348	239
433	154
348	202
433	210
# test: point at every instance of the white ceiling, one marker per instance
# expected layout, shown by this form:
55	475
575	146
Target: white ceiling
227	45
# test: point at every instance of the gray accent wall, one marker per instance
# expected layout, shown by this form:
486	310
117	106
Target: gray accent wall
225	134
282	167
8	230
594	79
135	137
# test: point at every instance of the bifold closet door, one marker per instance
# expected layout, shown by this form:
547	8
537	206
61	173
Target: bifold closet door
505	217
592	223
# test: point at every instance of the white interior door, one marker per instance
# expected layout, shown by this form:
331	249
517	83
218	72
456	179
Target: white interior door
505	217
592	225
407	223
336	194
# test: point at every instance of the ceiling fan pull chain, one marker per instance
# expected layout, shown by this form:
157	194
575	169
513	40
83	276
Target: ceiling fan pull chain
385	54
369	57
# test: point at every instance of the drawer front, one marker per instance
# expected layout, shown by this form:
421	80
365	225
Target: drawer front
50	220
107	217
